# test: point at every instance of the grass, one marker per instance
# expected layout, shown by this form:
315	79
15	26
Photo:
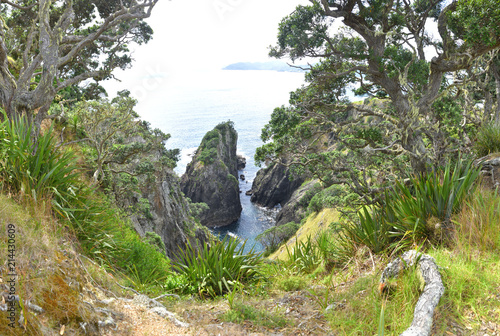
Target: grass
48	270
244	312
488	140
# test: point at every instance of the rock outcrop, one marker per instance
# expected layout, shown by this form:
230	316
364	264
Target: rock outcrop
295	209
490	169
274	185
212	177
168	214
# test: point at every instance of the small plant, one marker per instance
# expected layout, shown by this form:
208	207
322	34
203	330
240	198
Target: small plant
242	312
291	283
304	256
215	269
35	170
488	140
405	216
273	237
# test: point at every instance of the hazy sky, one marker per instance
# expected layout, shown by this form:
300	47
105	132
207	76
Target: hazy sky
205	34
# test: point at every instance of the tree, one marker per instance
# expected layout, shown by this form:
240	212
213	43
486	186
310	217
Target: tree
120	143
380	49
49	45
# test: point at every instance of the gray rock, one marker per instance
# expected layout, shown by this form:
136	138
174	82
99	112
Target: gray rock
293	210
169	214
242	162
212	177
274	185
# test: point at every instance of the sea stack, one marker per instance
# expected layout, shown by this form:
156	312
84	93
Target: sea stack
212	177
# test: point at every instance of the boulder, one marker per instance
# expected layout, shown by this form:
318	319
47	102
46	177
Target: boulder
212	177
490	170
242	162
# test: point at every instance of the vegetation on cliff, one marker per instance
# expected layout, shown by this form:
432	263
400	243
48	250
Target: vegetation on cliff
212	177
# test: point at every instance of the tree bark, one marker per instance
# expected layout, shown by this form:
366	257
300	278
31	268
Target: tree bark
433	290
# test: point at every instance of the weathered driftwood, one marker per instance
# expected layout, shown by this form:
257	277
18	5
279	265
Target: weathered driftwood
433	290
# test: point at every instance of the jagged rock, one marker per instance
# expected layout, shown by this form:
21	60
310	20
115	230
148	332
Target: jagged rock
249	192
242	177
168	215
274	185
242	162
490	169
294	210
212	177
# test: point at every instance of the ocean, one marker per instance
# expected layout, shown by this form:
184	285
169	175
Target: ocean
192	104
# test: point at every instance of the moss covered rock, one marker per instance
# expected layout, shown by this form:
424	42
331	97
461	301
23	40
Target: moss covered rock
212	177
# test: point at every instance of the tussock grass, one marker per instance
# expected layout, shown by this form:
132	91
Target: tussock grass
488	140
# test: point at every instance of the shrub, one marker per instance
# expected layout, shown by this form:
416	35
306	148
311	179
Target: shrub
488	140
214	270
304	256
273	237
34	169
406	214
330	197
304	201
153	239
40	171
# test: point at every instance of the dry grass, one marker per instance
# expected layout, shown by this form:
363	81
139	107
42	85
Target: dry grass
49	272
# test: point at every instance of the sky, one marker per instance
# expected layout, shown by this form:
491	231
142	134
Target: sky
199	35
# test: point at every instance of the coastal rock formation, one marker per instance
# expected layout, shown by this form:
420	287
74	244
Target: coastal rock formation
212	177
242	162
274	185
168	214
294	210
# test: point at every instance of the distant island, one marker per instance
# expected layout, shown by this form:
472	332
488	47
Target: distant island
271	65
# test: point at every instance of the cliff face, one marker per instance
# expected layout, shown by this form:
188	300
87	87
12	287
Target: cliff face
294	209
168	214
274	185
212	177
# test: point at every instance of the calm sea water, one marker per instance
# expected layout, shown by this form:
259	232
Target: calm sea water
191	105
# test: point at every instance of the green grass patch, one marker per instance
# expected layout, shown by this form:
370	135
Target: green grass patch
262	317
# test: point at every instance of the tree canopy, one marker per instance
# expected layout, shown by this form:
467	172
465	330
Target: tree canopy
417	108
50	45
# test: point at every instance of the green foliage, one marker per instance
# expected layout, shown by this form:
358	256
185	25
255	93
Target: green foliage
291	283
196	209
335	195
243	312
119	143
214	269
476	22
40	171
488	140
35	170
304	29
304	256
406	217
309	194
273	237
153	239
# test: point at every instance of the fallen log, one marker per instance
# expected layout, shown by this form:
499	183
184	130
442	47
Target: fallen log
433	290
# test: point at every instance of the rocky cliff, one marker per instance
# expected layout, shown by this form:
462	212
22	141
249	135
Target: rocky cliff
274	185
212	177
